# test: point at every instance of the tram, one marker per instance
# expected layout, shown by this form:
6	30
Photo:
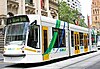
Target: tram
34	38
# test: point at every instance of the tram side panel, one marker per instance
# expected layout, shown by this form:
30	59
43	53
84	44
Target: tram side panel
33	49
74	40
93	40
79	42
72	48
58	51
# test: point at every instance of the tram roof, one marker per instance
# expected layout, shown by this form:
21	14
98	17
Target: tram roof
50	20
78	28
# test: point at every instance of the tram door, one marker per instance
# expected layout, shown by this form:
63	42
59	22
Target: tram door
85	43
76	42
45	42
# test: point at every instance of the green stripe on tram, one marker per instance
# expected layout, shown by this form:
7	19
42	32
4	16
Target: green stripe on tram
51	45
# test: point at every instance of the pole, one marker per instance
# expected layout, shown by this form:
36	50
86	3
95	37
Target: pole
88	18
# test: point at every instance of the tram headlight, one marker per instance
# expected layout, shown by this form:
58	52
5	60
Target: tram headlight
5	49
22	51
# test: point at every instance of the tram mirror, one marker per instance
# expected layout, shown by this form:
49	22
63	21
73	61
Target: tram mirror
34	23
30	27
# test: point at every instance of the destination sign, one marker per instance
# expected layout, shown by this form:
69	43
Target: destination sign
16	19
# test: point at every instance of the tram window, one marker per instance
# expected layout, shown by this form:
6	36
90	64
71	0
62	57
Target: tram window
81	38
33	37
96	38
15	37
93	39
75	40
36	34
88	39
63	38
72	38
57	42
84	40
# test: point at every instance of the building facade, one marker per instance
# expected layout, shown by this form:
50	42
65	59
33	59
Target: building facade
47	8
95	11
74	4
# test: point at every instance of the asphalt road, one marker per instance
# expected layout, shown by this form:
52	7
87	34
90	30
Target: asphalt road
95	66
2	64
91	63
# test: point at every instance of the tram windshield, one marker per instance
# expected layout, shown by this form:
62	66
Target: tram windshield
16	33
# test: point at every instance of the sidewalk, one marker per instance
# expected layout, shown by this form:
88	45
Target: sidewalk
68	62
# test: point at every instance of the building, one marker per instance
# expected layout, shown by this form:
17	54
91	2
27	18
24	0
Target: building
74	4
95	14
47	8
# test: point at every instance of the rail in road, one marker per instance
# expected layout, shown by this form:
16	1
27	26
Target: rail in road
90	63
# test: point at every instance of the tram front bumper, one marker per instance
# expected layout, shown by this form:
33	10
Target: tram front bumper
14	55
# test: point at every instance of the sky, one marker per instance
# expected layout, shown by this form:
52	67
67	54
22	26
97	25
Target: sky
86	8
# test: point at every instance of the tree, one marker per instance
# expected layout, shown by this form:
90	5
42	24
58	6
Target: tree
65	13
82	23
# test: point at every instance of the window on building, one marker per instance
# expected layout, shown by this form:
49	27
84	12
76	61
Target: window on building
68	4
29	1
93	11
73	4
95	3
96	18
92	2
42	4
0	22
98	11
68	0
73	7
